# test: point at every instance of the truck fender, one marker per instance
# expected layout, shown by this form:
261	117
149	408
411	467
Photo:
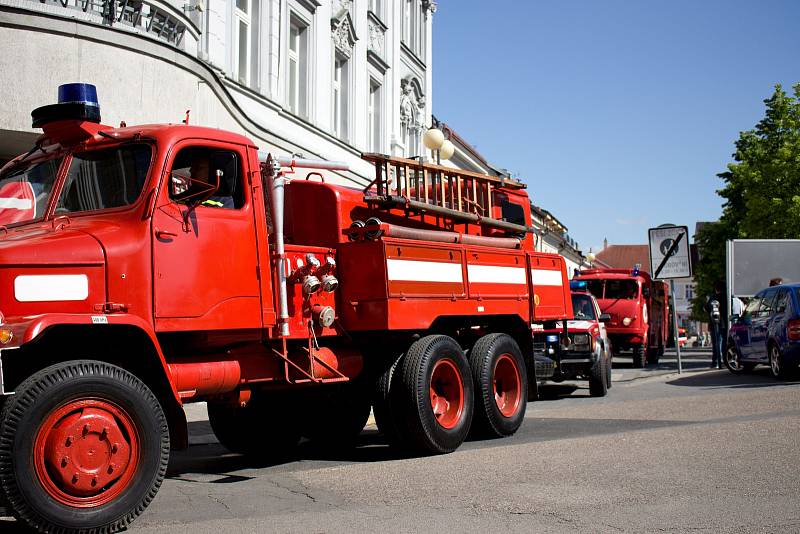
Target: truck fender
30	329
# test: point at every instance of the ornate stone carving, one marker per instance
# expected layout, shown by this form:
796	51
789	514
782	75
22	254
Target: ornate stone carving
377	36
412	103
429	5
344	38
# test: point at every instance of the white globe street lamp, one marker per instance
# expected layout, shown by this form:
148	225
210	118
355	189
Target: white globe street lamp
447	150
433	139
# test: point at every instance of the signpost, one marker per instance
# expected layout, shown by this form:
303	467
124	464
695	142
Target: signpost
670	258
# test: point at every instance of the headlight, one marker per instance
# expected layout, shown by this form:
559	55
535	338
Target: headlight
581	339
626	321
6	335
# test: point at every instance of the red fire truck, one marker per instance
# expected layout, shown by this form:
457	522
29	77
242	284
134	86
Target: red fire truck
144	267
639	310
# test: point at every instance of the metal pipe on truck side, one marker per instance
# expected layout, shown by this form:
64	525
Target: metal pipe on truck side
273	167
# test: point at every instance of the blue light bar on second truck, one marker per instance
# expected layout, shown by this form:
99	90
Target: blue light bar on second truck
577	284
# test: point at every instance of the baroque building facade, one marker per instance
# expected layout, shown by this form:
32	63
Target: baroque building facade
323	78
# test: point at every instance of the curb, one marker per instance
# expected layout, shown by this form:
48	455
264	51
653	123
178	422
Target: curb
664	373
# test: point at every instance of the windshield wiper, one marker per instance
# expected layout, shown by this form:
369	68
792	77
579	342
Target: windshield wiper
28	154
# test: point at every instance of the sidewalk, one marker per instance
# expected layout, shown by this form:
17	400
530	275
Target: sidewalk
693	360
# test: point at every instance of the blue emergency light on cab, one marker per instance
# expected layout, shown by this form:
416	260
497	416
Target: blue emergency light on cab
78	93
636	269
76	102
577	285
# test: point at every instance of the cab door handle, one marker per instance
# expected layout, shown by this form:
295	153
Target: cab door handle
161	234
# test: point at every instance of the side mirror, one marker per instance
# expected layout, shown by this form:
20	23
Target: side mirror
605	318
192	191
178	185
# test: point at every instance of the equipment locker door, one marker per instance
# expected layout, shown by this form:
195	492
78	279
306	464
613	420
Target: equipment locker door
205	261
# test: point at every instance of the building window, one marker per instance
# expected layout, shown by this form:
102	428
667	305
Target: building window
243	35
376	7
340	96
413	26
374	117
297	65
689	292
408	8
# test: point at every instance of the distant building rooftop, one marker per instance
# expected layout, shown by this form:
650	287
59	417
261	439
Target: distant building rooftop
625	256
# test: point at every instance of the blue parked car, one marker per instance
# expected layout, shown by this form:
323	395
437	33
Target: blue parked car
768	332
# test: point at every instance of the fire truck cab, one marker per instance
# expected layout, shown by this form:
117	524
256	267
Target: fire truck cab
638	307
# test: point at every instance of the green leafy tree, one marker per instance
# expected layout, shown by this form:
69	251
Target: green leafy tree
761	192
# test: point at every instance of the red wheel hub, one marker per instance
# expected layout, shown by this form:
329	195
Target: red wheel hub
447	393
507	385
86	452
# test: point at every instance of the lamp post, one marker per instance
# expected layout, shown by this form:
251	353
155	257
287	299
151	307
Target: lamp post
434	140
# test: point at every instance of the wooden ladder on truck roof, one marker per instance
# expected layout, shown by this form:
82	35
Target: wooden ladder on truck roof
455	194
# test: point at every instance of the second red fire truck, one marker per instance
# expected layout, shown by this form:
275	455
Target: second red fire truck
638	307
144	267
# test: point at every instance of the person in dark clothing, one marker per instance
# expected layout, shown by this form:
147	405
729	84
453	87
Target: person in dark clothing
718	323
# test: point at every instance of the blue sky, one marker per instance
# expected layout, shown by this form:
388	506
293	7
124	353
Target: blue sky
617	114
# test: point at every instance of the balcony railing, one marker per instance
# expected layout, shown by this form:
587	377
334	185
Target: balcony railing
153	18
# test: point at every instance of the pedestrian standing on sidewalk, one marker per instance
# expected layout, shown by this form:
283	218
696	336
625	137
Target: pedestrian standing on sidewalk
717	323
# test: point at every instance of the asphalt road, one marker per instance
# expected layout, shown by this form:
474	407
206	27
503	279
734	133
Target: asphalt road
702	452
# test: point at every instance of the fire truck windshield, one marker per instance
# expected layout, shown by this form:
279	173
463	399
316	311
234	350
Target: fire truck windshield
105	178
622	289
613	289
25	190
583	308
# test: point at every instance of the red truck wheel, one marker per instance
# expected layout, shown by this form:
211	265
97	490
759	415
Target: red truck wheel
432	396
84	446
498	372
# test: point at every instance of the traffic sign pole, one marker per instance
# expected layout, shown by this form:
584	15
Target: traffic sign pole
675	325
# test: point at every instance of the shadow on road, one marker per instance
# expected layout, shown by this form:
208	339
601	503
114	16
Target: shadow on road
760	377
551	391
214	459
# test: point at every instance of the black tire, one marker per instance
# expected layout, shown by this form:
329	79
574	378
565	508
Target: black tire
654	354
419	428
777	363
639	357
486	354
47	404
609	365
266	429
733	363
338	416
598	378
382	409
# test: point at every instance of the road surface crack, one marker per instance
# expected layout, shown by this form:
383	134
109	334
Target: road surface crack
223	503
